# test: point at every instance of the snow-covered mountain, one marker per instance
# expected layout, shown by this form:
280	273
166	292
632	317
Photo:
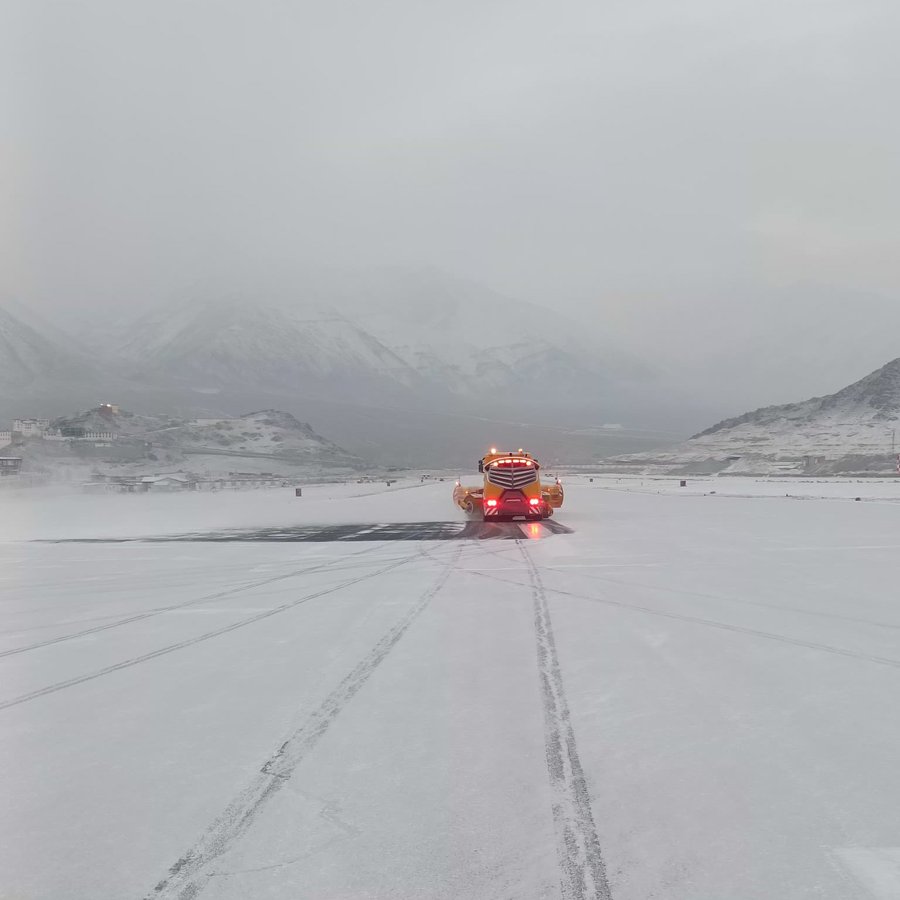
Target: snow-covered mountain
403	366
43	372
853	430
215	344
415	337
29	355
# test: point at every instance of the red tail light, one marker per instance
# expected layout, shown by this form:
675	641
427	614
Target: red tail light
535	501
490	502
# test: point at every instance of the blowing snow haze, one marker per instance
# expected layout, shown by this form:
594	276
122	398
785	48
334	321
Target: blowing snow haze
393	219
274	276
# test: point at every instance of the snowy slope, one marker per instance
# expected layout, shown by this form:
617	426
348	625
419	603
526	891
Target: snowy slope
269	441
874	399
28	355
271	432
228	341
442	324
851	430
418	335
44	372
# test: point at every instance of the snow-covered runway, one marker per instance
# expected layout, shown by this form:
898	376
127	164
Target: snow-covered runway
691	696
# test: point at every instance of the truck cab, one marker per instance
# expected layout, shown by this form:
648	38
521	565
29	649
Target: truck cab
511	489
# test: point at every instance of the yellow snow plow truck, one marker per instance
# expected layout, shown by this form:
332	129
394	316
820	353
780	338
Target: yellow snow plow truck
512	489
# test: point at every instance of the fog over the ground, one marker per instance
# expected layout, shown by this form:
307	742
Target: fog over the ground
638	165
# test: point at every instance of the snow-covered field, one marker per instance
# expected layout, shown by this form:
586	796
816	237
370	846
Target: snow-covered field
693	696
54	512
886	490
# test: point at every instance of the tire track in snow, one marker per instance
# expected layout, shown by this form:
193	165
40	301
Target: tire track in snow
577	844
187	878
139	617
662	589
181	645
713	623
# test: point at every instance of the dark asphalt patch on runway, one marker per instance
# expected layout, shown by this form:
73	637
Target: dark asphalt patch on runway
407	531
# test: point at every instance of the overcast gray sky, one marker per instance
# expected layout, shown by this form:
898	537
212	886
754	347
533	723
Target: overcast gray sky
636	152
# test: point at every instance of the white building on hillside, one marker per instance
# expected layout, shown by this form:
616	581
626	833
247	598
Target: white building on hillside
31	427
10	465
176	482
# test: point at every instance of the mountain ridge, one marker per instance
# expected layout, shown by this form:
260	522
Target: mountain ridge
879	389
28	355
852	430
266	441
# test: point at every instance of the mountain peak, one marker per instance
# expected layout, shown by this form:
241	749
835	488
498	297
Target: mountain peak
880	390
875	397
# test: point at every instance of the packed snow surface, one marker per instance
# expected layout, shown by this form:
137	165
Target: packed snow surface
693	696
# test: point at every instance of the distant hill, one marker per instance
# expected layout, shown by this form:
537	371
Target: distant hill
270	434
850	431
269	441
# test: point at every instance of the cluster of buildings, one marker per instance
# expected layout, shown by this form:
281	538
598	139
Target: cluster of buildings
40	429
26	428
105	445
31	427
10	465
